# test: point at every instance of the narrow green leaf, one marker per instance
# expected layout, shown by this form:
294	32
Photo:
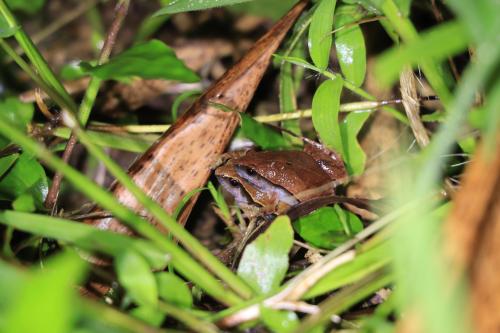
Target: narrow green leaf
350	44
47	302
299	62
136	277
7	162
84	236
263	135
219	200
27	6
323	228
149	60
181	98
366	262
27	175
174	290
353	155
179	6
17	112
288	102
279	321
24	203
480	17
5	30
325	110
137	143
148	314
265	8
265	261
429	47
320	37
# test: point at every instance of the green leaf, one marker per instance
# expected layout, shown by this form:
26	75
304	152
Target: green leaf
320	37
27	6
148	314
219	200
129	142
429	47
265	8
325	110
7	162
27	175
263	135
480	17
47	302
24	203
84	236
174	290
299	62
353	155
376	6
265	261
324	228
350	45
149	60
179	6
279	321
288	100
366	262
5	30
136	277
20	114
75	70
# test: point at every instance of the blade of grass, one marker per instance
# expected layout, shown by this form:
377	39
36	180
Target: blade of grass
185	238
121	11
182	261
186	317
46	74
344	299
31	73
408	33
358	91
82	235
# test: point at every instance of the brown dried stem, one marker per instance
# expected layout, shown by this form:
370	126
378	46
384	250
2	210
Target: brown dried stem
121	10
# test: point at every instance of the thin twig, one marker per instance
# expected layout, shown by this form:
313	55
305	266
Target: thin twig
64	19
412	106
439	17
121	10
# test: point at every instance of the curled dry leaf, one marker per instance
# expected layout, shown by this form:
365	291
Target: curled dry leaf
180	160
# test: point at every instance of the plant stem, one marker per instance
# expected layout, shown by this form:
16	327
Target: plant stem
187	240
121	10
182	261
187	318
408	33
344	299
32	74
37	60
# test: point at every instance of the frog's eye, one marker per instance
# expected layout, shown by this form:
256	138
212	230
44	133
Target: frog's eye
250	172
233	182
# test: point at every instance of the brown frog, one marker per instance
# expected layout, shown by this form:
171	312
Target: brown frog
271	182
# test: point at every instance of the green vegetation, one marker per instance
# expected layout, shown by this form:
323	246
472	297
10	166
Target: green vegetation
175	282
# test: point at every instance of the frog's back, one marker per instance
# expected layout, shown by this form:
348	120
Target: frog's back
295	171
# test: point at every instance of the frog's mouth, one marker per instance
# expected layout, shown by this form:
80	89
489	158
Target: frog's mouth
262	185
236	190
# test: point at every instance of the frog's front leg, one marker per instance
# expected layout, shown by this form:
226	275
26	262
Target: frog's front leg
228	156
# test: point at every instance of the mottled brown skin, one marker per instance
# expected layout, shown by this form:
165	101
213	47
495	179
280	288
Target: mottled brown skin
278	180
180	160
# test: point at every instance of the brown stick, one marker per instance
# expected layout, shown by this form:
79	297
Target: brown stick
121	10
